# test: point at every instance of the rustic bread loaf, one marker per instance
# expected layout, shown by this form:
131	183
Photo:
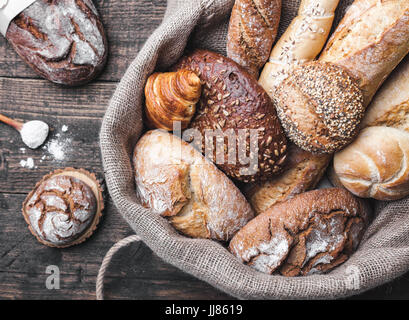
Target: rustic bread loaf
170	97
370	41
63	41
310	233
64	207
174	180
301	42
234	104
252	30
320	107
390	106
376	165
302	171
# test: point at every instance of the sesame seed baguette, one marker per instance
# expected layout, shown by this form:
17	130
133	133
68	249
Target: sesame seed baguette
302	41
370	41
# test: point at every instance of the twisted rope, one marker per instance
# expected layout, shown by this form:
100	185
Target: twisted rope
107	260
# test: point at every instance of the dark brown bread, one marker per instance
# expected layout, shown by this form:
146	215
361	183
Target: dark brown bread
252	30
310	233
320	107
233	100
63	41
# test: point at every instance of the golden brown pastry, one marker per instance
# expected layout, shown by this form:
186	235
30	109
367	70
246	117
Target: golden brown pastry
174	180
171	96
311	233
252	31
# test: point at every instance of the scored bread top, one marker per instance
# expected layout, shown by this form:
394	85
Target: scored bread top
310	233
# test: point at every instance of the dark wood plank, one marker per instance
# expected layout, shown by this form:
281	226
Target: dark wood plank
76	108
128	24
135	272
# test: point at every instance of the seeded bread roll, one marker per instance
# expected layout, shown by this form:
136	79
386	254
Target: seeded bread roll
310	233
320	107
302	171
64	41
370	41
252	31
174	180
234	104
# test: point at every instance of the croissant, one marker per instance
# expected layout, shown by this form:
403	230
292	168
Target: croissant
171	96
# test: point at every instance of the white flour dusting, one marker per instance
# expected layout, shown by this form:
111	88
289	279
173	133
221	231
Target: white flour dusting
29	163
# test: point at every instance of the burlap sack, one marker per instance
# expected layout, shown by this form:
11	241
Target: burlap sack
382	255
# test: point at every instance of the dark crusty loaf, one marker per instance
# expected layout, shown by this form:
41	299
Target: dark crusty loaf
370	41
302	172
233	101
320	107
252	31
64	41
310	233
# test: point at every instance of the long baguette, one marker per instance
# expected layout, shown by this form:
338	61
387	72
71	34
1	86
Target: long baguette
370	41
302	41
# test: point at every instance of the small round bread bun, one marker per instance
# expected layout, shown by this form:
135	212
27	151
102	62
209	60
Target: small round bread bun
64	208
310	233
175	180
232	102
320	107
375	165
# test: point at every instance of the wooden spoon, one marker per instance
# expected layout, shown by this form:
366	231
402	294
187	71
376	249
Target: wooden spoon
33	133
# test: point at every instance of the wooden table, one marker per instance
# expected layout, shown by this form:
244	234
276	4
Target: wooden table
135	272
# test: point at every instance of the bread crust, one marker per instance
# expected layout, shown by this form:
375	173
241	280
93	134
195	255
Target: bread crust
320	107
71	50
310	233
390	106
233	100
370	41
302	172
174	180
252	30
375	165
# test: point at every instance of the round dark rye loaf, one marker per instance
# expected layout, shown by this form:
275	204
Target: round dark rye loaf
232	99
63	41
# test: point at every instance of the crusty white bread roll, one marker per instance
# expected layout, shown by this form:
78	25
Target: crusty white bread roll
302	41
174	180
390	106
376	164
370	41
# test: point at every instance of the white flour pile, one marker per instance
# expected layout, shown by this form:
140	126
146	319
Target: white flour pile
56	149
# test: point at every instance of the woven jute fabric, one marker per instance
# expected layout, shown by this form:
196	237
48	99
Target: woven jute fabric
382	255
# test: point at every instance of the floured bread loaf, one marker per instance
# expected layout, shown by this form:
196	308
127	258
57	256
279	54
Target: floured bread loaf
64	41
174	180
310	233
